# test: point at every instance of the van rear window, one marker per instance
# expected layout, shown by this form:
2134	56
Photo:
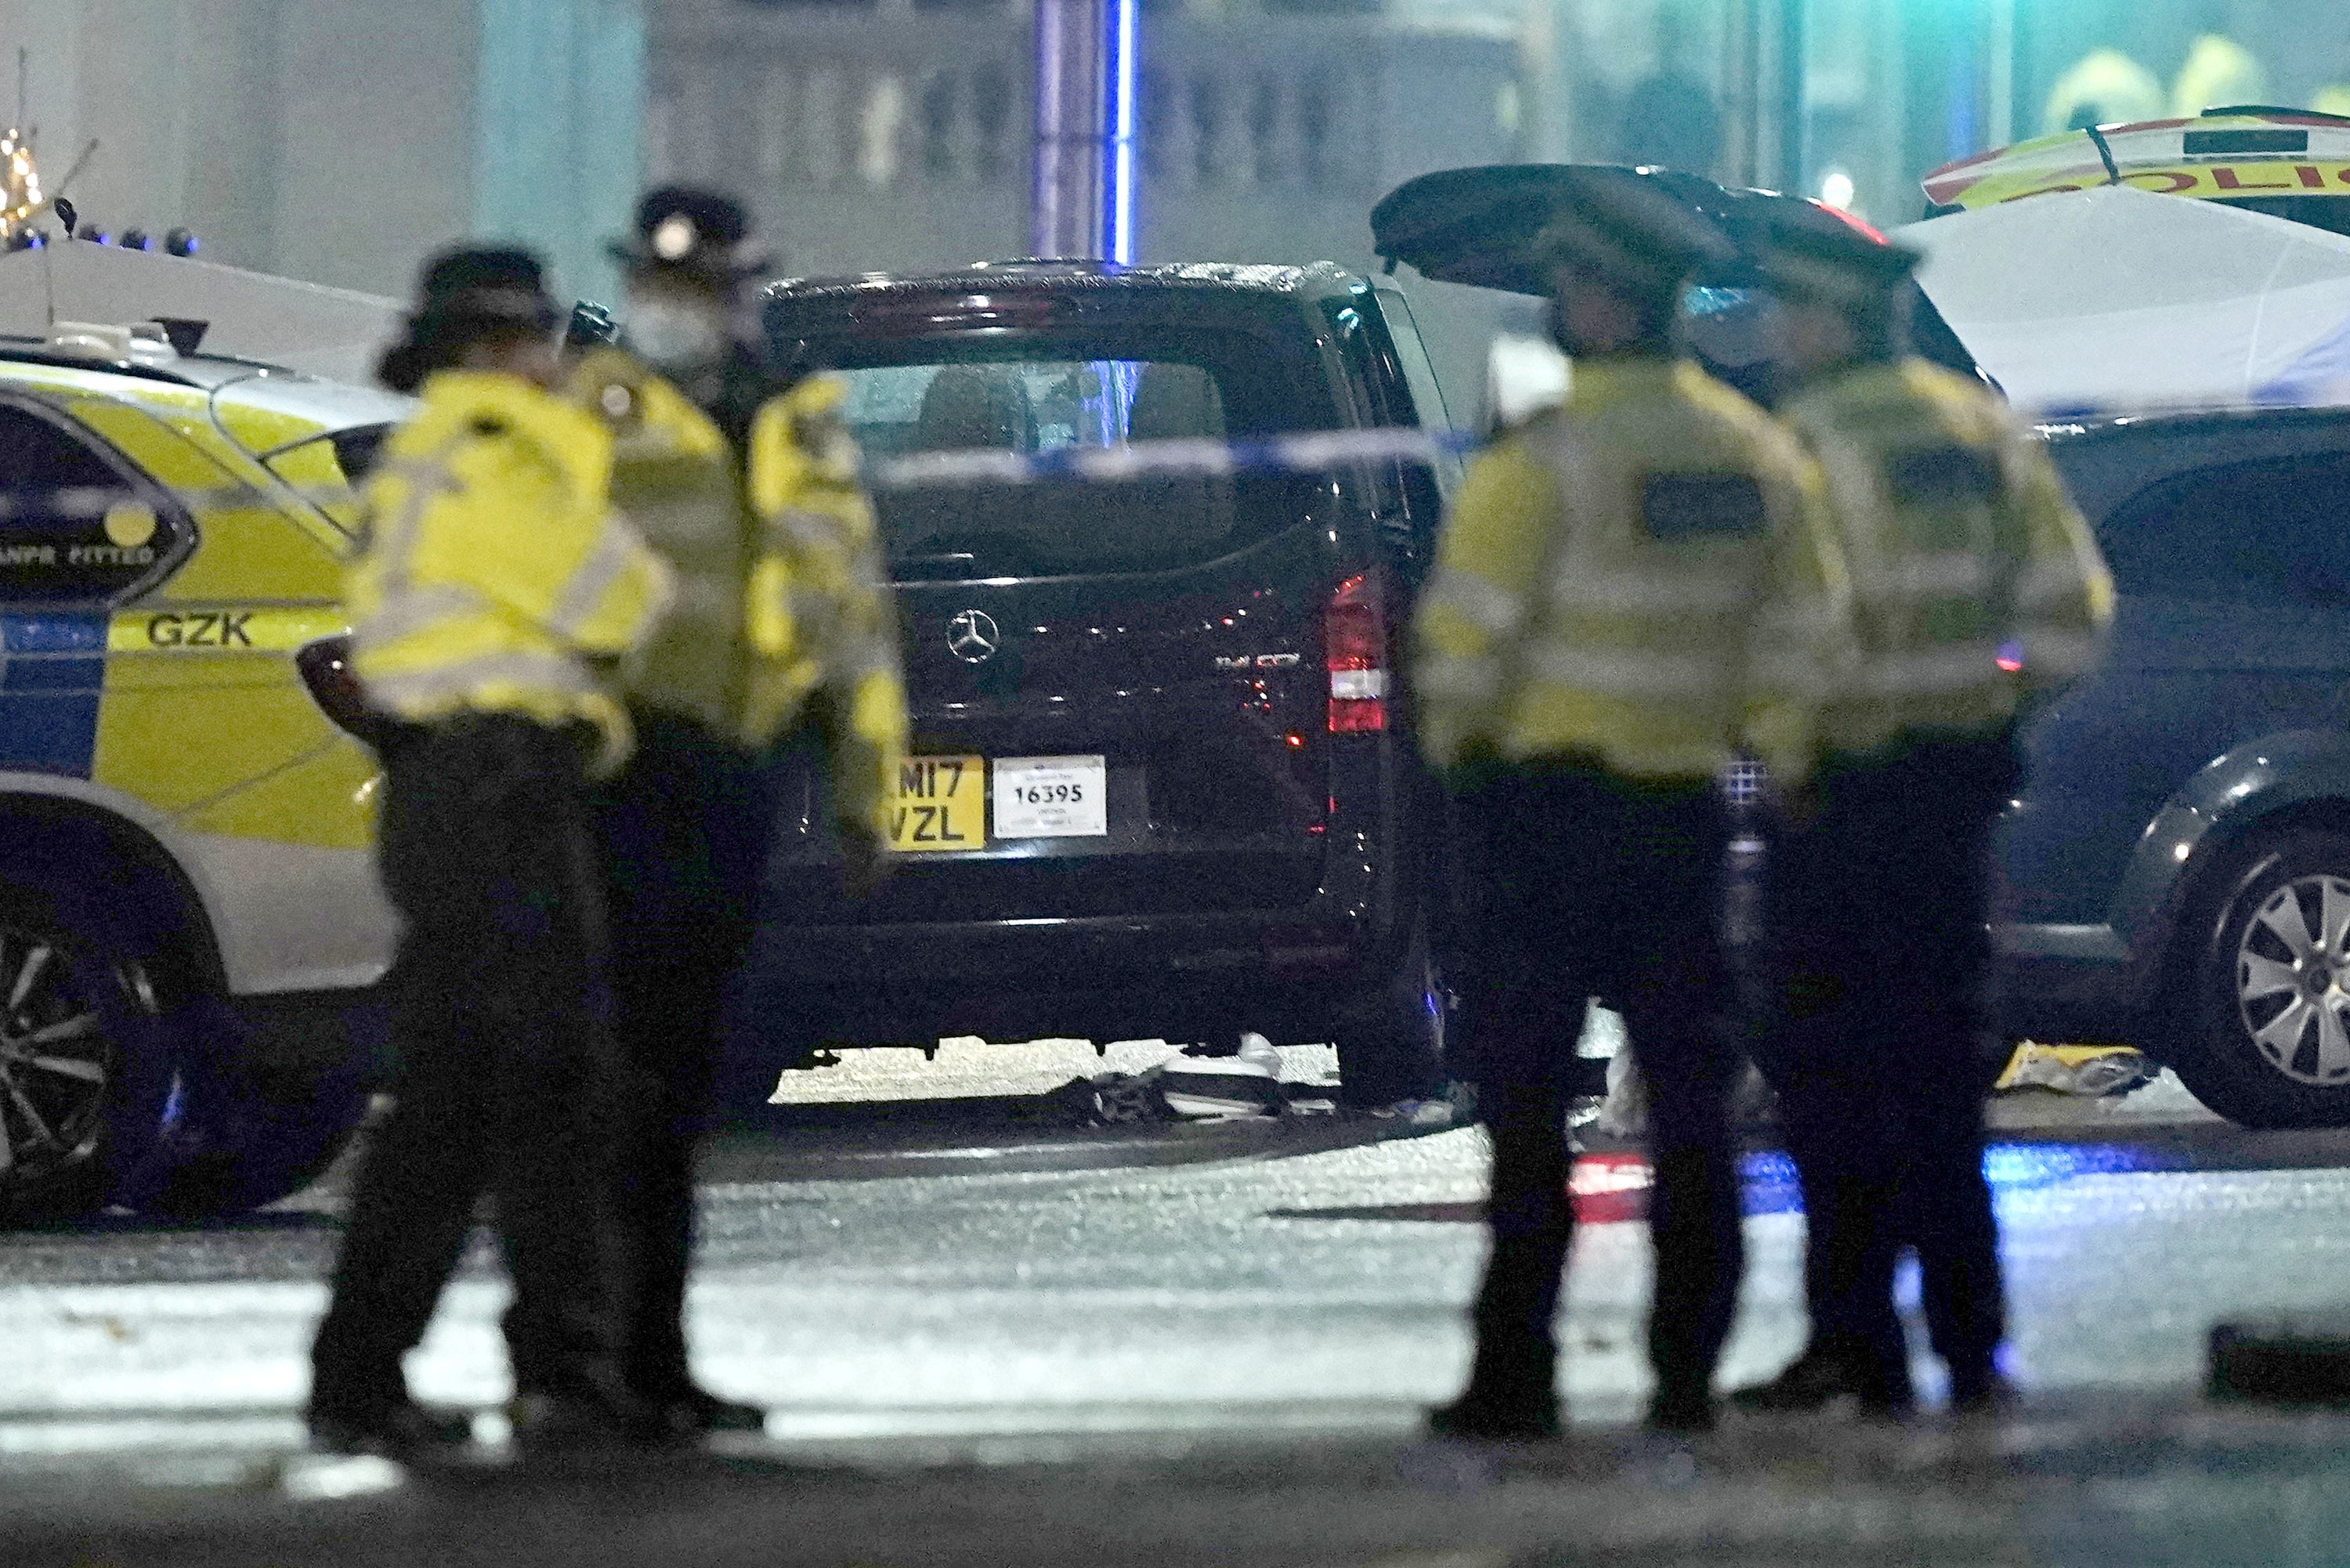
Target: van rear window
1031	399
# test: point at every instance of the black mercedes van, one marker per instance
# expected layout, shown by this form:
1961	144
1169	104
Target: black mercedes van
1162	783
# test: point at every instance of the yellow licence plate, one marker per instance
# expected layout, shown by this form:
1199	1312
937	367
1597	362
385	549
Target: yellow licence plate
942	805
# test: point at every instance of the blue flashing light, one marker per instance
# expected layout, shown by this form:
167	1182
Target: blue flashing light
1118	207
2010	1166
1770	1186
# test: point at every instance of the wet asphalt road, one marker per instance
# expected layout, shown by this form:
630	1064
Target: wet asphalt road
983	1295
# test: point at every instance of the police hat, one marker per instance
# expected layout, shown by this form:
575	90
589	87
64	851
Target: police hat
1813	254
486	283
1617	224
468	294
694	234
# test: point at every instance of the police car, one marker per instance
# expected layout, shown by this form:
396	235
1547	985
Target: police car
2288	163
188	910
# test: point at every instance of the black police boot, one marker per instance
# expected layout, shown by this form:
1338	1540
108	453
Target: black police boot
1512	1398
395	1427
1485	1416
688	1411
574	1420
1681	1411
1979	1391
1818	1379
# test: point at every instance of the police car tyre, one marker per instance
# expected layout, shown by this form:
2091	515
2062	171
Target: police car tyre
85	1079
273	1106
1391	1042
2264	1021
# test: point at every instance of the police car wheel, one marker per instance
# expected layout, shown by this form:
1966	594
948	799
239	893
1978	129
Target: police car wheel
2264	1037
83	1094
1391	1042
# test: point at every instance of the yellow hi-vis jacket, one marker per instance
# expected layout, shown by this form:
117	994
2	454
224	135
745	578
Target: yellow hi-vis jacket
494	568
1644	577
1974	580
783	603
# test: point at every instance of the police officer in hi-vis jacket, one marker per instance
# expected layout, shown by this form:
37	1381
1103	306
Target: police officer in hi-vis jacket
494	593
745	482
1976	585
1630	591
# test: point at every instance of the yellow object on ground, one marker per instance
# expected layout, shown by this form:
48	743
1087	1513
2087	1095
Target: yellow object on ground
2090	1071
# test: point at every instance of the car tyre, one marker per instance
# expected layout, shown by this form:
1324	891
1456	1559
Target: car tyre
1391	1042
270	1105
88	1089
2263	1029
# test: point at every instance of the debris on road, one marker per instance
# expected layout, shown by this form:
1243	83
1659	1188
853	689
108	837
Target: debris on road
2088	1072
2286	1360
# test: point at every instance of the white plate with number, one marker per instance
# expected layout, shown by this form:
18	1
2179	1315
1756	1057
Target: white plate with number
1050	798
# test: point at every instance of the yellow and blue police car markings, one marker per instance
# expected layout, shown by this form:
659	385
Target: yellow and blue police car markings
230	627
51	683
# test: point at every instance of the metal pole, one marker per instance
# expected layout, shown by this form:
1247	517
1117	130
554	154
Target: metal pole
1794	61
2000	119
1742	89
1081	203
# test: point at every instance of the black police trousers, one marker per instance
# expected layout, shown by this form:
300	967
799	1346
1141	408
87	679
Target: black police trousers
502	1077
683	834
1877	912
1589	884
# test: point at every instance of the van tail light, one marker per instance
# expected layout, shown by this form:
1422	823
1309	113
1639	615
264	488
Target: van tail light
1355	644
325	667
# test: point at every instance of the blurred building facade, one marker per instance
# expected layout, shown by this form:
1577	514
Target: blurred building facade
895	133
341	140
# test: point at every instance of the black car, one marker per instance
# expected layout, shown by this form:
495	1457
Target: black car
2179	863
1163	783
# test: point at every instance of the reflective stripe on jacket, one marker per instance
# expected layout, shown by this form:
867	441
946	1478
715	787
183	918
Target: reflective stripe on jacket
675	477
821	618
782	599
1974	580
1644	576
495	566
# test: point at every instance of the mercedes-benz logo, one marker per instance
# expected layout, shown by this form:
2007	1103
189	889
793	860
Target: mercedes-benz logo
971	636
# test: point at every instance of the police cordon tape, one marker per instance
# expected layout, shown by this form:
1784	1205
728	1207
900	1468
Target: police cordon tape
1304	451
1309	451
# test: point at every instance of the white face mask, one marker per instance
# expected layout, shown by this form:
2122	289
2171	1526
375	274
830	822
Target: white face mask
672	335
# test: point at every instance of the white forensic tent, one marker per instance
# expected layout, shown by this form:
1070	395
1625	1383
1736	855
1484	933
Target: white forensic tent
331	332
2115	299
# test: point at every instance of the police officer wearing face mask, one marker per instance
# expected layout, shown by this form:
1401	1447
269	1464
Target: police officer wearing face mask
745	483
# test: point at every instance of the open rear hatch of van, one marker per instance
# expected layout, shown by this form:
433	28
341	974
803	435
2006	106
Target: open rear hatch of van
1479	227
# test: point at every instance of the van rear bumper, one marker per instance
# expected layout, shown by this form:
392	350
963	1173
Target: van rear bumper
1186	978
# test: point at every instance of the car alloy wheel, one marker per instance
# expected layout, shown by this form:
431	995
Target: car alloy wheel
57	1059
2293	963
